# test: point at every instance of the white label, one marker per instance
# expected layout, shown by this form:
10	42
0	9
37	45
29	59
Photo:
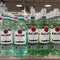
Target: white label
20	38
55	36
6	38
32	36
43	36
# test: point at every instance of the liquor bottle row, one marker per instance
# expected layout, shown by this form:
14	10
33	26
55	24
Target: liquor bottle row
39	36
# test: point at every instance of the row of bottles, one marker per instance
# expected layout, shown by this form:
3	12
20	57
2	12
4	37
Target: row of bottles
37	37
13	36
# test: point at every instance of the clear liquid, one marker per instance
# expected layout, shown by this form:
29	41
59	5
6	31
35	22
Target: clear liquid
20	51
7	50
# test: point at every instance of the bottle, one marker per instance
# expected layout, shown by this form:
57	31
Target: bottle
6	37
51	20
59	18
20	37
38	22
44	34
32	35
1	22
55	34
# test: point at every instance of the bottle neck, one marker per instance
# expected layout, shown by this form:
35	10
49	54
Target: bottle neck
56	17
43	17
32	17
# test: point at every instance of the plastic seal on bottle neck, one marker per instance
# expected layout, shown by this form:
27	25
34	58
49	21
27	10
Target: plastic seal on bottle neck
51	14
43	12
55	12
32	12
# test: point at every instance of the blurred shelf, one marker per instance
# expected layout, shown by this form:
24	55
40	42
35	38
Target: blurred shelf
29	58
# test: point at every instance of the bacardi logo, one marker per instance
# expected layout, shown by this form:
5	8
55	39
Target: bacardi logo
19	31
33	29
5	31
57	29
46	29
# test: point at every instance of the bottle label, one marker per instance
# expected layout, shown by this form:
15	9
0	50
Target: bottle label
55	46
20	47
55	36
44	46
43	36
6	38
32	47
6	47
32	36
20	38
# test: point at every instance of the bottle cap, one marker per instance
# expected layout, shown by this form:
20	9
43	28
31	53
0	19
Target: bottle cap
32	12
51	14
43	12
55	12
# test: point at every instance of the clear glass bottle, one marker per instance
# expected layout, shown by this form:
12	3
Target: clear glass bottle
1	22
20	37
44	34
55	34
33	37
6	37
32	34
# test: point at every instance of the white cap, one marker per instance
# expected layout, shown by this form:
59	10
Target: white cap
43	11
38	16
55	12
32	12
20	15
59	13
51	14
1	15
8	14
2	7
47	16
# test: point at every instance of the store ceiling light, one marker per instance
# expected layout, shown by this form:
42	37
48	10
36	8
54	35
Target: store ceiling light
18	5
47	5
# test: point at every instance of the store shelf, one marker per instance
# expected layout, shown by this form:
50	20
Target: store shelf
29	58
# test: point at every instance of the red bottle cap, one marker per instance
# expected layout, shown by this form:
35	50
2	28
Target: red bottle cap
19	31
33	29
46	29
57	29
5	31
